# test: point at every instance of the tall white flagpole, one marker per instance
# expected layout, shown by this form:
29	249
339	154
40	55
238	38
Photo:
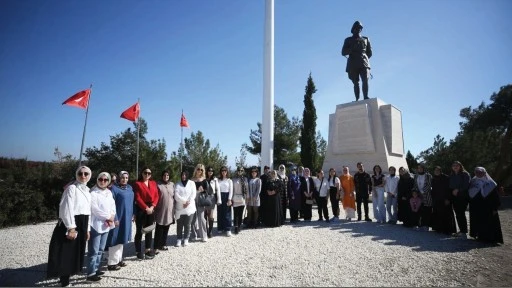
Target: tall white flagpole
267	127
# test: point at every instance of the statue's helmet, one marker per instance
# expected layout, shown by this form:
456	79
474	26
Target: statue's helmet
357	24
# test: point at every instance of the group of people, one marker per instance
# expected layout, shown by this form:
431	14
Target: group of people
101	217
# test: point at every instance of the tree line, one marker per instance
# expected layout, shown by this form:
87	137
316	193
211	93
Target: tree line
30	191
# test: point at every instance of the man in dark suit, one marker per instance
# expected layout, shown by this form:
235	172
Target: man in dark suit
363	183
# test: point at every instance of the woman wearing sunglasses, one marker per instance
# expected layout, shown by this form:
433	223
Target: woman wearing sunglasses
146	199
67	246
224	209
213	189
164	212
103	217
185	195
122	234
198	226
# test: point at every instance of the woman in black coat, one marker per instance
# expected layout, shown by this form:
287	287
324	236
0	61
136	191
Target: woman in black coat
442	217
484	202
404	194
274	188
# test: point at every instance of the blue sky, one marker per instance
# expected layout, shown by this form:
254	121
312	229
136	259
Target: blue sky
430	59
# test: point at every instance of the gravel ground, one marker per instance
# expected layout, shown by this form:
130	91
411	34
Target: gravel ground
305	254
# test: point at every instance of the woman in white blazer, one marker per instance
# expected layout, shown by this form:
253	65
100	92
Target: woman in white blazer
185	207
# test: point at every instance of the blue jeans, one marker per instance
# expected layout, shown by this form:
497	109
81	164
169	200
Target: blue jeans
379	208
224	213
95	248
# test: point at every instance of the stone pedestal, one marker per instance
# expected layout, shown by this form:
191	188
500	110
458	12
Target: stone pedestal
368	131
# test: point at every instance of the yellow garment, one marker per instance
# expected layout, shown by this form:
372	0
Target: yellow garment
348	185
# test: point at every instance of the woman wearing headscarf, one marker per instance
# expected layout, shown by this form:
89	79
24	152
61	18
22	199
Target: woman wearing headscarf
103	218
483	208
404	194
213	189
123	196
348	189
307	187
281	175
442	215
185	195
459	184
146	199
274	188
69	238
164	211
423	185
295	195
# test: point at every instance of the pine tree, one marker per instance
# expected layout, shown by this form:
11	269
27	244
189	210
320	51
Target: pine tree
308	149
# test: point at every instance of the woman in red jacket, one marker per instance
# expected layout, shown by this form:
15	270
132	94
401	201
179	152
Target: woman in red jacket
146	199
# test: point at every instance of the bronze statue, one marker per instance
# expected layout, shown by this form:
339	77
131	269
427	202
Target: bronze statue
359	52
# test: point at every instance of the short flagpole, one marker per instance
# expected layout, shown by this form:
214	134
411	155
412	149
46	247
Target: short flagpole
138	132
85	126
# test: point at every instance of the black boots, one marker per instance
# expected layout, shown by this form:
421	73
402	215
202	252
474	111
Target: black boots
210	228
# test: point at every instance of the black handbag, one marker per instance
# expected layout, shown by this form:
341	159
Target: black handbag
206	200
316	192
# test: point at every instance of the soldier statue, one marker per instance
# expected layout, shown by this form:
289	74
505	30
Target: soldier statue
359	52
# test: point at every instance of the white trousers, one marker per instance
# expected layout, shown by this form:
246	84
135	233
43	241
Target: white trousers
115	254
391	205
379	208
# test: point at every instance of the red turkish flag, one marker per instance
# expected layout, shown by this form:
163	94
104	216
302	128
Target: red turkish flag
132	113
183	121
80	99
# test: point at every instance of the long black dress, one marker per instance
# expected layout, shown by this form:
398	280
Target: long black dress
273	214
284	197
443	219
484	220
65	256
404	190
263	210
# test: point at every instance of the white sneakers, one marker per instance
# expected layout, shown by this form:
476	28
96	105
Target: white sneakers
178	243
204	239
228	233
185	242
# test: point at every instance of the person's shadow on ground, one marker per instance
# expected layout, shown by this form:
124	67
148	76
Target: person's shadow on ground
34	276
389	234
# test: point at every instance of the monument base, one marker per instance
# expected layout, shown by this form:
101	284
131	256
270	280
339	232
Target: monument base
367	131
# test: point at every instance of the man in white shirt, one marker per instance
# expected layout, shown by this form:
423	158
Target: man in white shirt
391	190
